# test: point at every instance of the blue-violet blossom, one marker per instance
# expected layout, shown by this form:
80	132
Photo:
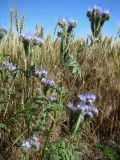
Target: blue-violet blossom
9	66
48	82
29	37
41	72
32	142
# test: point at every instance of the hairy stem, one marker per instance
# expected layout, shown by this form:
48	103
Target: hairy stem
48	137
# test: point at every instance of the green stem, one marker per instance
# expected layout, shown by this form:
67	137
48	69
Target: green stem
27	52
80	119
48	137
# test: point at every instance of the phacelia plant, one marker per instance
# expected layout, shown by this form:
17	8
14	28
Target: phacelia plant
66	35
97	18
81	110
29	38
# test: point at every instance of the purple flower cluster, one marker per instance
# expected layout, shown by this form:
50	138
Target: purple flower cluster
48	82
87	97
30	143
99	13
41	72
29	37
68	24
38	91
82	107
85	105
45	81
9	66
52	98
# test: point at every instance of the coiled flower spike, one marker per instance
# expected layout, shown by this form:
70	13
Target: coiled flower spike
106	15
62	22
67	24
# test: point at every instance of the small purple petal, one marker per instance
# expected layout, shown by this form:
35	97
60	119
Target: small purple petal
82	97
82	107
93	110
72	106
88	115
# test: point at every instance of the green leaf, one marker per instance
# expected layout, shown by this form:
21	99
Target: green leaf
2	126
